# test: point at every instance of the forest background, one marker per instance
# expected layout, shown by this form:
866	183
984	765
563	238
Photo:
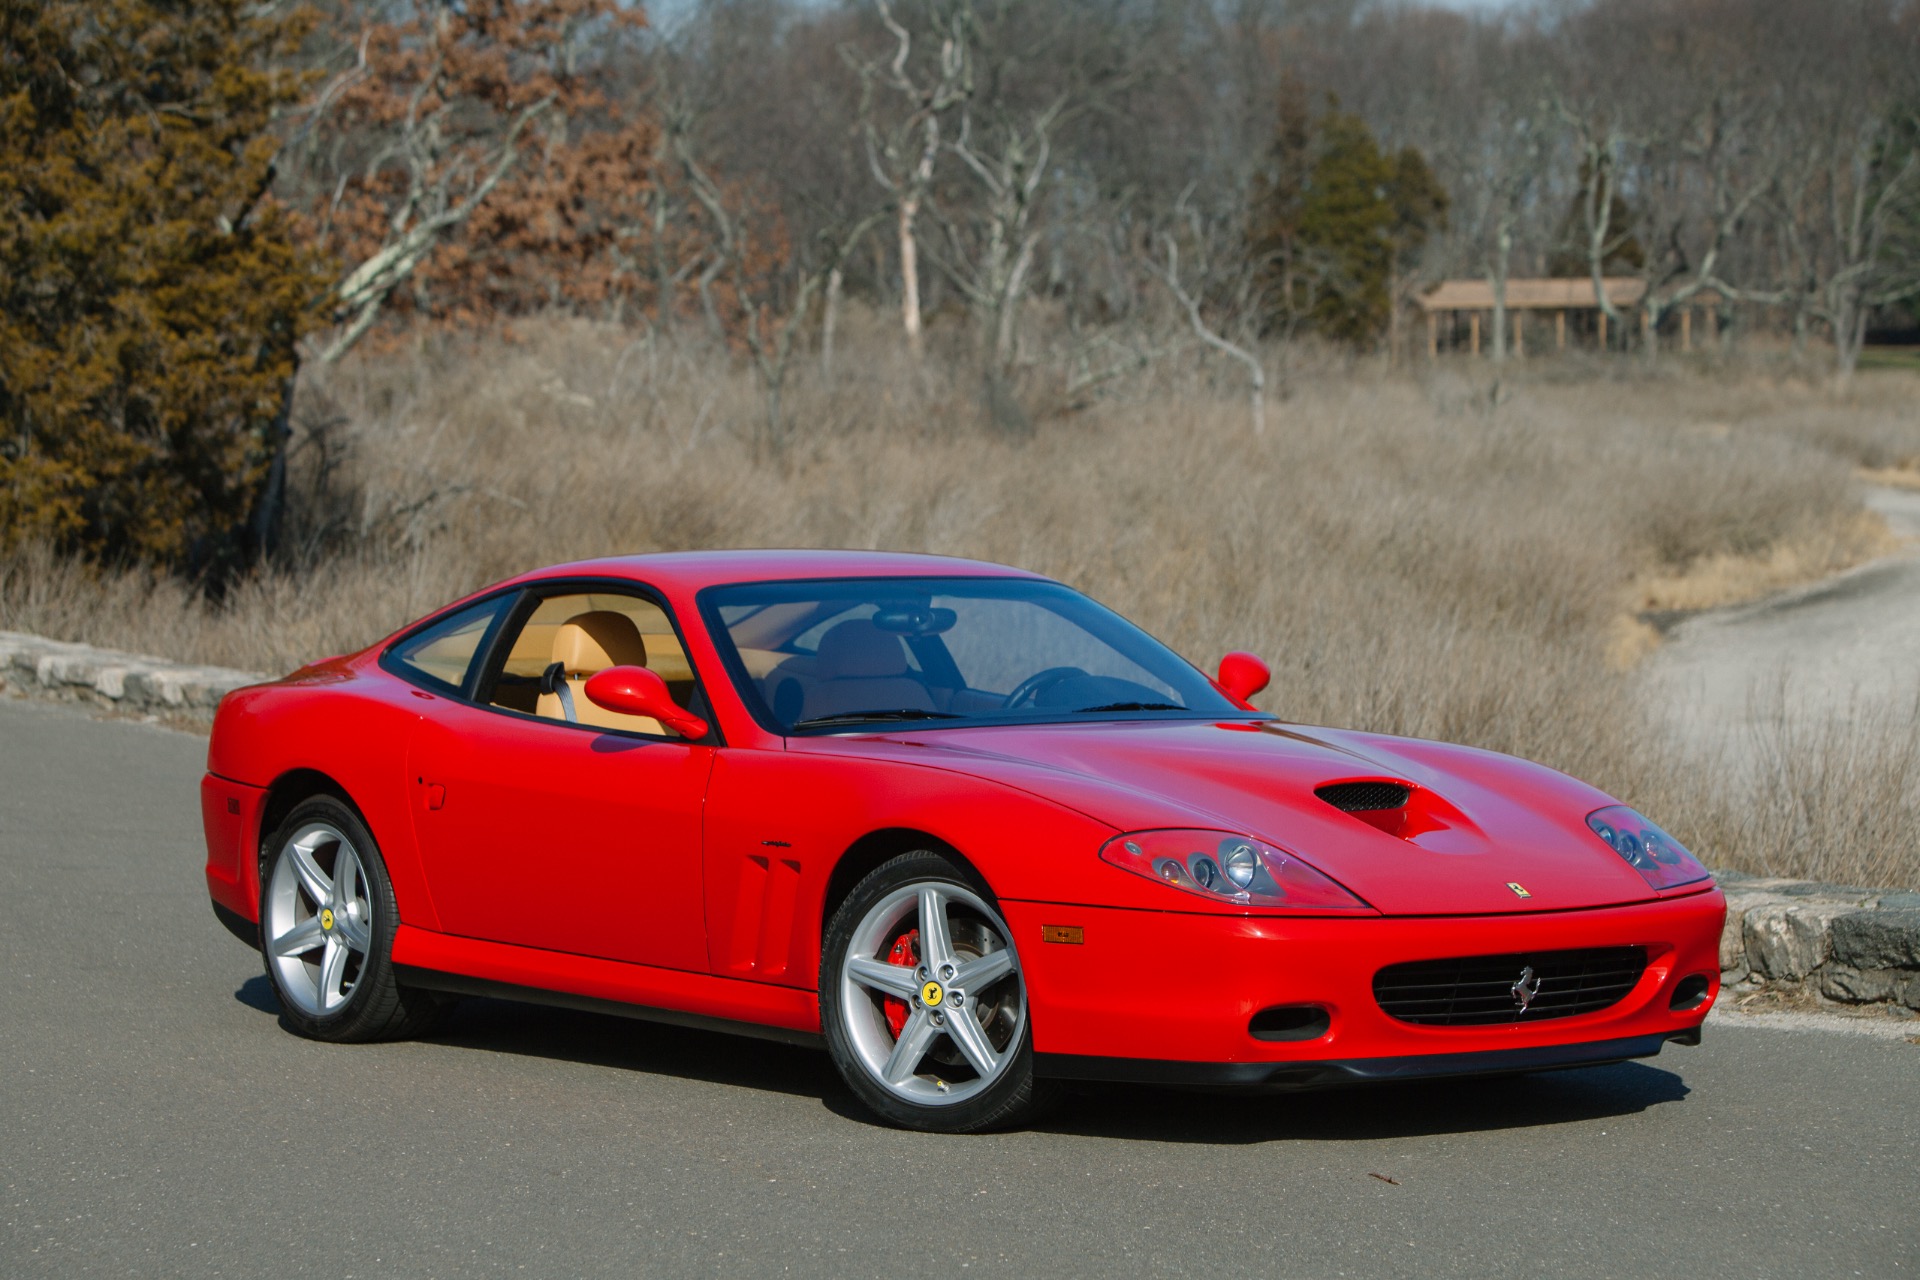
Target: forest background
317	314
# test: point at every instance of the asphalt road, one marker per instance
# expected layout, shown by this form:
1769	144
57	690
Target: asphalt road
156	1120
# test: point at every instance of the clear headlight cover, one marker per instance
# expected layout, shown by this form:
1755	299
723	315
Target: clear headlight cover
1228	868
1662	861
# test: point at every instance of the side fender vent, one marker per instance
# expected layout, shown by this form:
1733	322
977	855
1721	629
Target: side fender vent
1364	797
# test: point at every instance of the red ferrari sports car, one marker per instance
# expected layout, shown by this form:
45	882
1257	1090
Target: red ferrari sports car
970	829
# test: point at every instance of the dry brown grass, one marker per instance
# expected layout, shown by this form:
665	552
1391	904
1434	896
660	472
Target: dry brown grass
1430	553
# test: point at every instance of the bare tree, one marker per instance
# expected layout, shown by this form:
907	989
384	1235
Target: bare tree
770	302
903	152
1848	174
1247	355
445	181
1515	152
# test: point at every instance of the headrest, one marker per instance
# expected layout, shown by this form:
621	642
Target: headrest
858	648
590	642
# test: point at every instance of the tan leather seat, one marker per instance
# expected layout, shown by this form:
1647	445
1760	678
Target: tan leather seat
862	668
585	645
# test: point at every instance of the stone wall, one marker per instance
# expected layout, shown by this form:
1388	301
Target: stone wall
45	668
1848	945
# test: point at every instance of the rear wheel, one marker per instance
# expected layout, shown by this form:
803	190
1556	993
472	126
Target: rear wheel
327	920
923	1002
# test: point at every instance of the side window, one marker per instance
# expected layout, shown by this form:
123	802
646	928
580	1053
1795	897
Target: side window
442	656
586	632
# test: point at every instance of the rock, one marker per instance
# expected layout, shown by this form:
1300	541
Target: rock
1838	982
1878	939
1788	940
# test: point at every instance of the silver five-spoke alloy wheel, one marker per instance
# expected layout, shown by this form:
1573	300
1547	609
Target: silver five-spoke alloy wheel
319	919
965	1003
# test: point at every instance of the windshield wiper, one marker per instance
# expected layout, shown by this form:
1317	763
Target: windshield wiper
865	717
1130	706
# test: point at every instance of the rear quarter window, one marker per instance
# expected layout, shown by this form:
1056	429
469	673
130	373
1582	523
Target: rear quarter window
442	656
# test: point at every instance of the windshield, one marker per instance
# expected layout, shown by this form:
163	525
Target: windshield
850	654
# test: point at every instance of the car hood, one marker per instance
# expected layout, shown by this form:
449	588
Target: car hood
1484	823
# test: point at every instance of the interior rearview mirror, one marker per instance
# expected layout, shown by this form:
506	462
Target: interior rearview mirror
636	691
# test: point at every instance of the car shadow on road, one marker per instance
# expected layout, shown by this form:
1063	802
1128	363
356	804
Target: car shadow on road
1411	1109
1121	1112
628	1044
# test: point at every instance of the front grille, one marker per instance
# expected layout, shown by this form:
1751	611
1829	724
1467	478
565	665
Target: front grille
1363	797
1478	991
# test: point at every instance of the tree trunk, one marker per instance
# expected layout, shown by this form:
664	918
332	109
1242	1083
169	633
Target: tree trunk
1502	258
1849	335
829	321
910	276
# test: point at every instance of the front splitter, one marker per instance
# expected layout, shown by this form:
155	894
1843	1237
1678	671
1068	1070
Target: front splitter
1339	1073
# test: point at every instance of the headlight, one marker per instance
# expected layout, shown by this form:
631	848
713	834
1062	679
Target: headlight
1227	868
1662	861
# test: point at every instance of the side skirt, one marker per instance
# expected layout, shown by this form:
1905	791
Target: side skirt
460	984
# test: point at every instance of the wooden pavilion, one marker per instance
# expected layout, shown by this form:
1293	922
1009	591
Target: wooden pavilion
1450	298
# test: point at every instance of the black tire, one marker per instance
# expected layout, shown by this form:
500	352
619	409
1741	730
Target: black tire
375	1006
1007	1099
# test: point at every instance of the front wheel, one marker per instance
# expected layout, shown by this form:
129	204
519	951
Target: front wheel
923	1002
327	920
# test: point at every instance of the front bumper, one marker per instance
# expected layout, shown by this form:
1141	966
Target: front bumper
1169	996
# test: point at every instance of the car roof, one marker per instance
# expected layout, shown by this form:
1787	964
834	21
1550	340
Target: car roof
688	571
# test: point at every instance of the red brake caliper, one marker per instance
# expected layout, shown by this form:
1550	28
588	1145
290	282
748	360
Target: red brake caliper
906	954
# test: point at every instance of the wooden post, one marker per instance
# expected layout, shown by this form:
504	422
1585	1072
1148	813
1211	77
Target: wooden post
1603	330
1560	329
1519	334
1646	327
1433	336
1473	332
1686	329
1713	323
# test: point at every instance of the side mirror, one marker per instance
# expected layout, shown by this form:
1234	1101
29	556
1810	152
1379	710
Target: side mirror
636	691
1241	676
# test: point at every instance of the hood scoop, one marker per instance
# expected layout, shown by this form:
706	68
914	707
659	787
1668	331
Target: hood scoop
1365	797
1406	812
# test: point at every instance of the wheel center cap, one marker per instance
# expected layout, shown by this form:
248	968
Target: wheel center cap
326	919
931	994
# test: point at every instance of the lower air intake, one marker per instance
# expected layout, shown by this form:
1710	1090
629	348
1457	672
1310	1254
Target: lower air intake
1478	991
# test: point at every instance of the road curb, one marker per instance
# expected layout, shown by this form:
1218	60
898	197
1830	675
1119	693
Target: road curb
58	669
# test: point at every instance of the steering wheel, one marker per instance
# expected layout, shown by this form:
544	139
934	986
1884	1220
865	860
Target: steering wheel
1030	689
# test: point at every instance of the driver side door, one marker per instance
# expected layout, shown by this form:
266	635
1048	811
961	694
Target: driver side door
545	829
